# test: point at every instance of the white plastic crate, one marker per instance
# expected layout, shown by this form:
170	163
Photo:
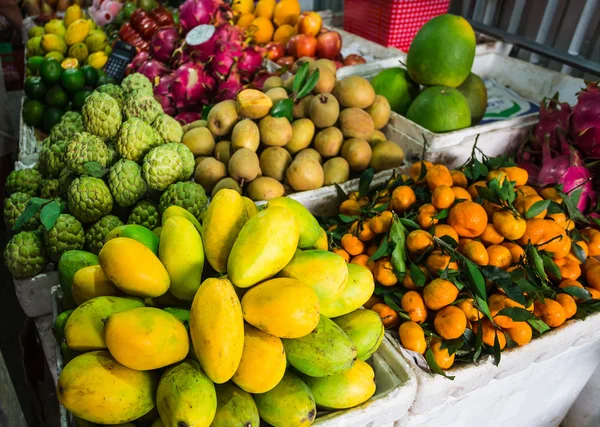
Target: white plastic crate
585	412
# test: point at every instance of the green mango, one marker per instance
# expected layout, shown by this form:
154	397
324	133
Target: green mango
365	329
84	330
58	328
136	232
70	263
290	403
345	389
235	407
310	230
325	351
181	314
185	396
357	291
179	211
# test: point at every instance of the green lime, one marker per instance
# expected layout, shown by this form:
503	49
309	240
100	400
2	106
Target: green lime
79	99
90	74
33	112
50	70
51	117
105	79
72	80
56	97
35	88
397	87
34	63
55	55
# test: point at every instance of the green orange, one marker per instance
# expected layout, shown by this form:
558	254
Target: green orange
397	87
440	109
475	92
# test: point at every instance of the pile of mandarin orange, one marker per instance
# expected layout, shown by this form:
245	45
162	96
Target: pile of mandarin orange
487	234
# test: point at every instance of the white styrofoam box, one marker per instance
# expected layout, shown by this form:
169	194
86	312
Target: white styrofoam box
585	412
34	293
496	138
487	44
534	385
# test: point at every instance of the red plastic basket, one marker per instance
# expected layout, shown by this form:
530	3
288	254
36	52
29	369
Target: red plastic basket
390	22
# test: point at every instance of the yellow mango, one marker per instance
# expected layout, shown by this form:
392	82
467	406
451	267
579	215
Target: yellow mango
235	408
217	329
290	403
91	282
55	27
182	253
365	329
285	308
97	388
133	268
53	43
263	362
249	207
84	330
77	32
309	226
96	41
266	244
325	272
179	211
97	60
146	338
322	242
186	397
359	288
344	390
224	219
72	14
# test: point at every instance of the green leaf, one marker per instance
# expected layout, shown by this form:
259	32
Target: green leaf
443	214
300	77
416	275
538	325
577	292
513	291
283	108
409	223
365	182
476	278
382	207
487	194
50	213
551	267
389	301
554	208
493	273
579	253
483	306
33	207
348	219
537	208
95	169
516	313
497	349
381	250
310	84
205	110
570	202
596	221
450	241
340	193
435	368
536	261
422	172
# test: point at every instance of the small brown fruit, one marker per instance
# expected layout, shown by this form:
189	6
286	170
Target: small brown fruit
253	104
387	155
226	183
377	137
305	174
356	123
357	153
194	124
354	91
275	131
244	166
272	82
329	141
300	62
324	110
336	171
274	161
209	172
326	81
380	111
310	153
222	118
303	131
223	152
200	141
265	188
245	134
323	64
277	94
302	107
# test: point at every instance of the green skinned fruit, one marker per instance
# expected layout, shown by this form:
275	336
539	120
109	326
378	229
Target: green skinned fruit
179	387
358	290
309	226
58	328
365	330
235	407
84	330
181	314
290	403
325	351
70	263
135	232
344	390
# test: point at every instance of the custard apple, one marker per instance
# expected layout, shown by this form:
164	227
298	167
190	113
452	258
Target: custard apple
135	139
162	166
168	128
141	105
51	160
136	81
64	131
188	195
145	213
83	148
72	117
14	205
101	115
24	181
65	235
187	160
94	238
115	91
126	183
113	156
24	255
49	189
65	178
89	199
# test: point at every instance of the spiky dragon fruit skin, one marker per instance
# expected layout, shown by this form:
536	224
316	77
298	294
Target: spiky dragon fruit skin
227	33
554	117
579	177
226	57
164	43
229	88
250	61
154	70
192	85
139	59
585	121
162	93
197	12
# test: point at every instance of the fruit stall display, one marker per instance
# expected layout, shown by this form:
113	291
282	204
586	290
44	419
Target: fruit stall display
48	8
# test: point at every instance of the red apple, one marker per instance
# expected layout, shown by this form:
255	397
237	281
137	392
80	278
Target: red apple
329	44
302	45
275	50
354	59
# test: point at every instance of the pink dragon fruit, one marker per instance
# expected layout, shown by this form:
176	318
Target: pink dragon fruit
192	85
197	12
260	78
162	93
586	120
229	88
579	177
163	44
250	61
154	70
202	42
225	58
139	59
554	115
228	33
187	117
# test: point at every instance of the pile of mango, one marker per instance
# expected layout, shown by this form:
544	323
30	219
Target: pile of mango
472	261
244	317
72	41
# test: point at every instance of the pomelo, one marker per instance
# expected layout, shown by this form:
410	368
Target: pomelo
397	87
442	52
475	92
440	109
